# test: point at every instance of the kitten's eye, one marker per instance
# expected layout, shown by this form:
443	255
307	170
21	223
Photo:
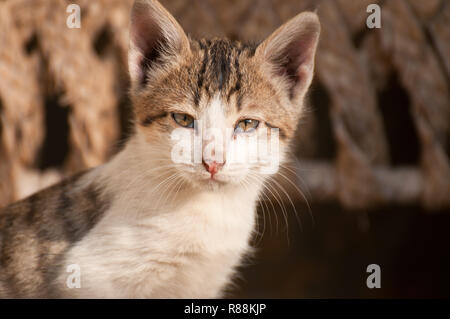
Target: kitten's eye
183	120
246	126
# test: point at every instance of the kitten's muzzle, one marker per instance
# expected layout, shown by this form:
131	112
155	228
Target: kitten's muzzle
212	167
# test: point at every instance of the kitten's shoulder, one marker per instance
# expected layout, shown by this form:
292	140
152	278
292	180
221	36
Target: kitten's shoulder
75	204
36	232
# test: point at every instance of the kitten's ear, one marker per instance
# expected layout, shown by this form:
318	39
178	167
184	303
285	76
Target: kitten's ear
155	38
290	52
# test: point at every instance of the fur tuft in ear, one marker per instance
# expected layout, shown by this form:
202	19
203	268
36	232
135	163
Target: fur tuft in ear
155	37
290	51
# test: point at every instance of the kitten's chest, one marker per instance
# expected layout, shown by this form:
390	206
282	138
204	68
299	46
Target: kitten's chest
194	245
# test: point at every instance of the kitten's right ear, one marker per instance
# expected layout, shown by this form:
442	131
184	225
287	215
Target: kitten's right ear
155	38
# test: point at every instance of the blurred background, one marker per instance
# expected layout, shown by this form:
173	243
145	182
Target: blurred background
369	182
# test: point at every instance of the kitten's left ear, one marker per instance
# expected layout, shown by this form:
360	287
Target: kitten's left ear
290	52
155	38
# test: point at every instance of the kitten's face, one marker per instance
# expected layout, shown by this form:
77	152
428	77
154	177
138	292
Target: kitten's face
217	112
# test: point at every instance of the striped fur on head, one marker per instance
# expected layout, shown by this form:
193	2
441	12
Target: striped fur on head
172	73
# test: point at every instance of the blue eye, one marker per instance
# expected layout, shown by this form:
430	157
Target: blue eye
183	120
246	126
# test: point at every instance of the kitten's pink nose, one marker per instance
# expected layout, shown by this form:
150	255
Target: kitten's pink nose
212	167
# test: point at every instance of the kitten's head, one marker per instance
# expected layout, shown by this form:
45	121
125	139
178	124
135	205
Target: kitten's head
198	104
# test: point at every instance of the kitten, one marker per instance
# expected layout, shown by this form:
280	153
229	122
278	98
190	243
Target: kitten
143	225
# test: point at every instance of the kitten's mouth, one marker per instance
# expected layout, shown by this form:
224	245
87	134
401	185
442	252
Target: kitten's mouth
213	179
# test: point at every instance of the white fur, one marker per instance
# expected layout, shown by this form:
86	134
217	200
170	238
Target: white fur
156	243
